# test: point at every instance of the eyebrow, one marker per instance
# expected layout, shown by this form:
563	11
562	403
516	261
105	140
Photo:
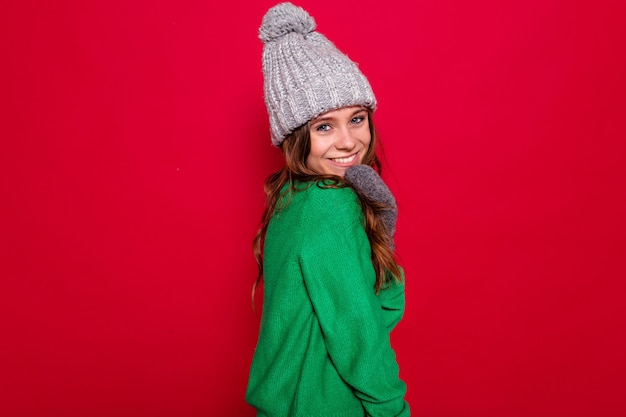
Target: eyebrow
323	119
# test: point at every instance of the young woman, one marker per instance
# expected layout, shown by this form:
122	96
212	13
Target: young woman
332	288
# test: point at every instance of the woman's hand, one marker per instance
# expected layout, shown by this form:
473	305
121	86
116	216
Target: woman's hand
367	181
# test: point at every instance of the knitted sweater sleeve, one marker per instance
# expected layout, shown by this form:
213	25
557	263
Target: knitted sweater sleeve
392	302
339	279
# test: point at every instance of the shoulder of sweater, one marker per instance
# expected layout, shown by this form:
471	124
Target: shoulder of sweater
330	198
327	217
329	208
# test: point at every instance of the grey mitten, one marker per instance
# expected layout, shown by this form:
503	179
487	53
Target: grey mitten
367	181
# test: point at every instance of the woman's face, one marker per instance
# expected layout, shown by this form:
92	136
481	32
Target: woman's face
339	139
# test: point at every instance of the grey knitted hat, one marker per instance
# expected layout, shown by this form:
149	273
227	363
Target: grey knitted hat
305	75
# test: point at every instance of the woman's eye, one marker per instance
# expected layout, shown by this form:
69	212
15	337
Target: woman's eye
358	119
323	128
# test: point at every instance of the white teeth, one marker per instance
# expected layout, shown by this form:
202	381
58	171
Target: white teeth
345	160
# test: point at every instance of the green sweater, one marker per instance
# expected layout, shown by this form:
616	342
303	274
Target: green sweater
323	348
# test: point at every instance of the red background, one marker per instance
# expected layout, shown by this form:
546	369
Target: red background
135	143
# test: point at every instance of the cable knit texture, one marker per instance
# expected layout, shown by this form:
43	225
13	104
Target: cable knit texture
324	348
305	75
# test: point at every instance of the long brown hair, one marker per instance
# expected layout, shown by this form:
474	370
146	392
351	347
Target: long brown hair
296	149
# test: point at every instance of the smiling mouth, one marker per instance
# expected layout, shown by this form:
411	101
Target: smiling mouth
345	160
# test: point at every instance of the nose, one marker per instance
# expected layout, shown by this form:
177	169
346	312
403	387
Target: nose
345	139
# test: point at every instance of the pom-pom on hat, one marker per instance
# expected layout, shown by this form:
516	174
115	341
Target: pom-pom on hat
304	74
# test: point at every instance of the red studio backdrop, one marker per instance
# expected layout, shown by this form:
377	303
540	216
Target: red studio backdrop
135	143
